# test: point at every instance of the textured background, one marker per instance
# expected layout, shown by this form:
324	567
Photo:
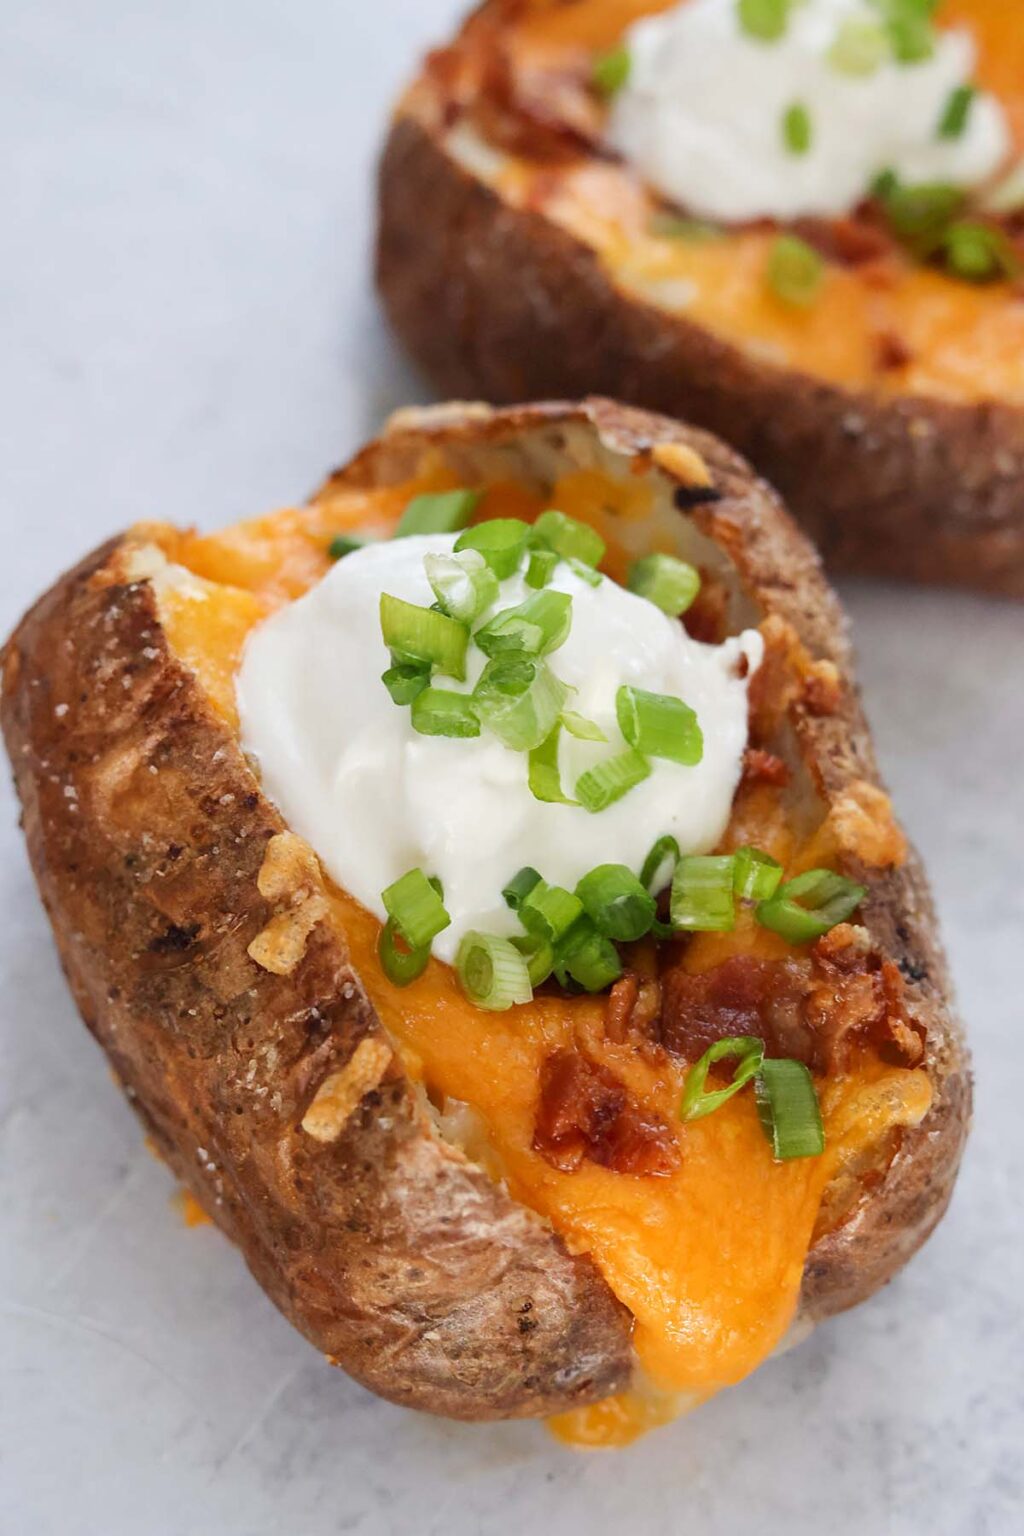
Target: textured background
188	332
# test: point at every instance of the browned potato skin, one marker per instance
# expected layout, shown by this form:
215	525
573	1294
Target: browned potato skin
500	303
396	1257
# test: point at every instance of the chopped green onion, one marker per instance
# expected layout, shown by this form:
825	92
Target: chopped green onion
861	46
406	680
588	958
536	626
609	780
440	513
610	71
748	1050
343	544
493	973
766	20
538	954
809	906
463	584
581	728
660	865
979	253
919	215
412	633
956	112
519	887
787	1105
550	911
795	271
911	33
501	542
755	875
585	572
617	904
671	226
543	773
702	898
658	725
668	583
415	905
569	538
400	966
797	133
541	567
443	712
520	700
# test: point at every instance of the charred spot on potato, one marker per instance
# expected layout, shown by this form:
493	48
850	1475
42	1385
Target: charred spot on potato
175	939
686	497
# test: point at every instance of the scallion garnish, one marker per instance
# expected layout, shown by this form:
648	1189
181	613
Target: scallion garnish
918	215
610	71
810	905
860	48
501	542
493	973
535	627
746	1050
443	512
908	23
343	544
520	700
797	132
550	911
412	633
519	887
787	1105
464	585
978	253
406	680
400	966
955	113
587	958
616	903
541	567
415	906
668	583
755	875
569	538
581	728
543	776
609	780
702	895
660	865
659	725
538	954
795	271
766	20
443	712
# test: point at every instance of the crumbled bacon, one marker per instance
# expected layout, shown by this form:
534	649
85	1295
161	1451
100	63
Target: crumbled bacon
585	1112
760	767
892	352
858	995
634	1003
850	242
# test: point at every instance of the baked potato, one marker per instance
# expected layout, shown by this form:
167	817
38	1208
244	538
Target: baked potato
492	1214
520	256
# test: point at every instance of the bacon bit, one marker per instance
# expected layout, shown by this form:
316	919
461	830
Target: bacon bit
706	619
634	1003
822	688
585	1112
760	767
850	242
857	995
892	352
742	996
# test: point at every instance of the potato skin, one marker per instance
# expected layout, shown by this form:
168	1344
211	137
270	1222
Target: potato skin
499	303
394	1256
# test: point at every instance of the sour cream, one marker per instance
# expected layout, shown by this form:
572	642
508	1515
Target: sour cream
375	799
701	115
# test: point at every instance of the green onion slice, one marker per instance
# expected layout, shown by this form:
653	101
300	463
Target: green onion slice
659	725
343	544
617	904
400	966
978	253
539	955
911	34
861	46
610	71
807	907
520	700
609	780
569	538
463	584
669	583
406	680
550	911
582	728
519	887
795	271
541	567
501	542
702	897
797	131
443	512
787	1105
746	1050
415	905
585	573
766	20
755	875
412	633
493	973
443	712
919	215
543	773
660	865
957	110
587	958
536	626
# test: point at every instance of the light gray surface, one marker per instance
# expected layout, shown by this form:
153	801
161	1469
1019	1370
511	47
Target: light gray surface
188	333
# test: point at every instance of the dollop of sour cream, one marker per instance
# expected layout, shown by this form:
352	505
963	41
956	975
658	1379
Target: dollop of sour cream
375	799
702	113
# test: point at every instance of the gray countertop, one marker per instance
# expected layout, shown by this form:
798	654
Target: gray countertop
189	333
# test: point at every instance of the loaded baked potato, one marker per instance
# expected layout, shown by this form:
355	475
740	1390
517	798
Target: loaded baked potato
700	214
650	1122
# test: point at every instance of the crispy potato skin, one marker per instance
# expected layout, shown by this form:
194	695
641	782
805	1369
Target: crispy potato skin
499	303
397	1258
